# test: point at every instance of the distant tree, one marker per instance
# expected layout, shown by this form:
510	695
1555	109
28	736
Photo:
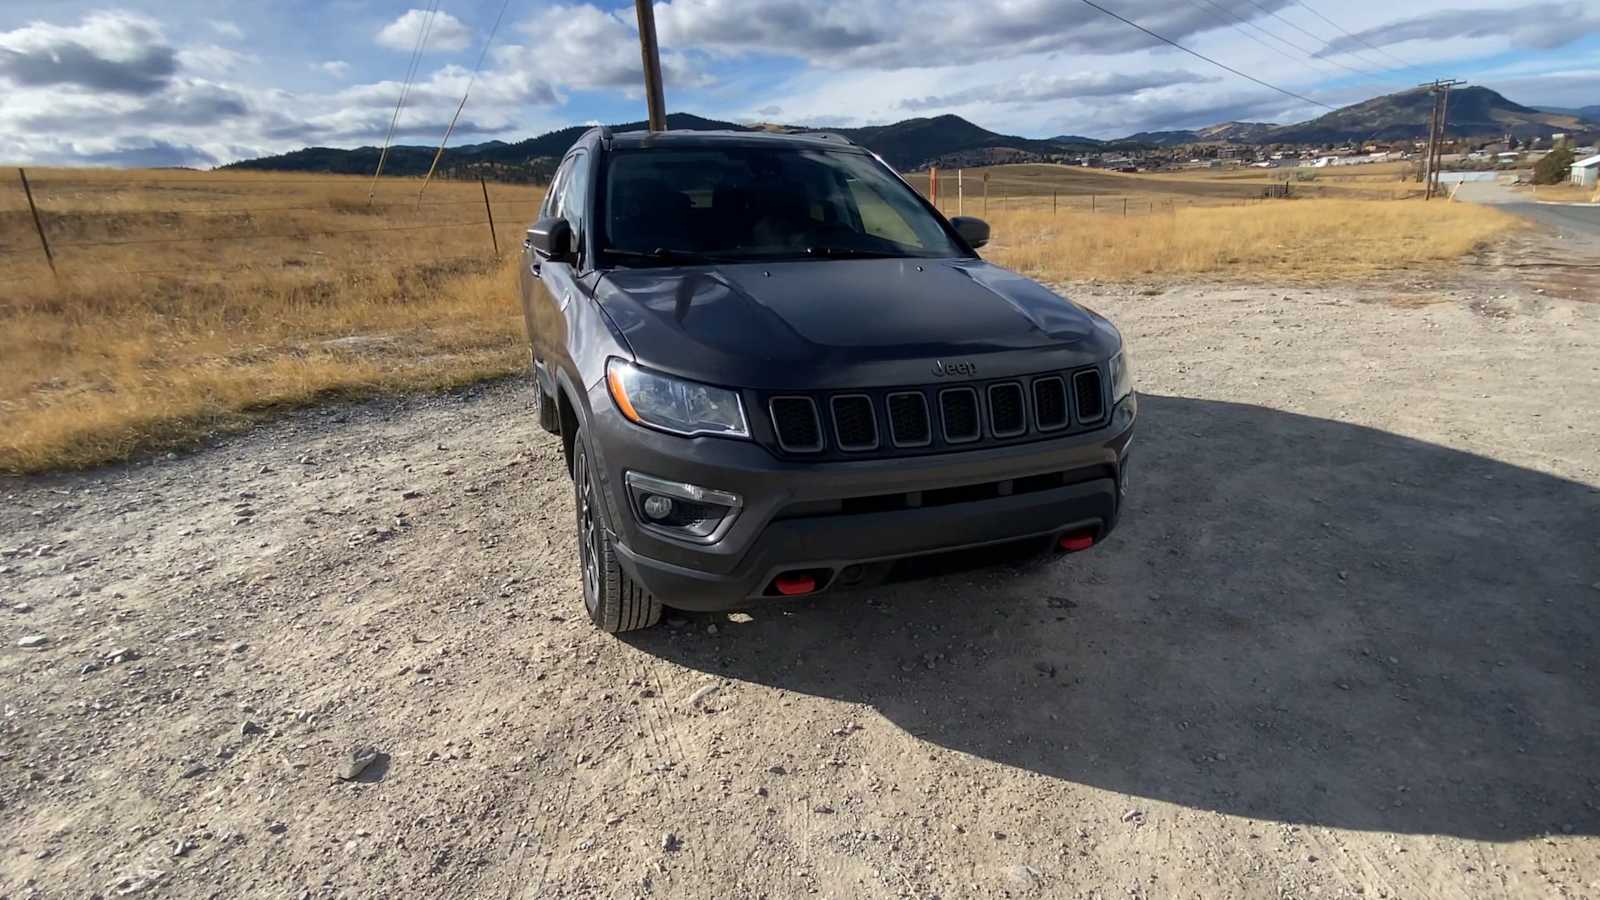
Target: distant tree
1555	166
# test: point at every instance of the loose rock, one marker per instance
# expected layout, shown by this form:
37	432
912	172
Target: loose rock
33	640
356	761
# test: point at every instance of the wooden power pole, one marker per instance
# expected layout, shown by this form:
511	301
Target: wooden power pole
1437	122
651	53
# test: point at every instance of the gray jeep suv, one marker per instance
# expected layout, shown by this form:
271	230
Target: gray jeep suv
776	370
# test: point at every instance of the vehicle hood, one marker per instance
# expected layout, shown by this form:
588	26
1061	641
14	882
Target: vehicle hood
831	323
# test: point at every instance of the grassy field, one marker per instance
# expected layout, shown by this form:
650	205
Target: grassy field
1075	187
190	304
1301	240
1561	193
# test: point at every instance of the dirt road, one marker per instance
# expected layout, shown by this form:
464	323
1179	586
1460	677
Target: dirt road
1345	644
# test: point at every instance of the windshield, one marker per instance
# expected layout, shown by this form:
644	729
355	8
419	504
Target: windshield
675	206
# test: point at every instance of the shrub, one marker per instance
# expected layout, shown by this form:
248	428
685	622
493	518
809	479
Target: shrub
1554	167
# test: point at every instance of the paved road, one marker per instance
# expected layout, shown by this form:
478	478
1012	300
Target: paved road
1567	220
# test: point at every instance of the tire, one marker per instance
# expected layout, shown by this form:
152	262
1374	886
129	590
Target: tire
615	602
543	404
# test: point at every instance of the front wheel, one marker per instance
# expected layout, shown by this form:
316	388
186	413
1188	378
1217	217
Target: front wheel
615	602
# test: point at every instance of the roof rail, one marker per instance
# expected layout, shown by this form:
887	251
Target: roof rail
828	136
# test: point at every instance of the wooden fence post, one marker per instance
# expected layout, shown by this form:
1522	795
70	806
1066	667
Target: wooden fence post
1091	203
986	193
490	210
959	194
1053	202
1124	207
38	225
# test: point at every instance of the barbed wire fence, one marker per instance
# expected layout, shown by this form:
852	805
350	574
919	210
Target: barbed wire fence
54	254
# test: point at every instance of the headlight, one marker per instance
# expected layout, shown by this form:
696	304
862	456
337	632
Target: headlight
1121	377
672	404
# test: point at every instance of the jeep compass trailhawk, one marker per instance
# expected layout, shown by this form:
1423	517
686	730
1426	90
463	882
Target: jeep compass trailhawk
777	370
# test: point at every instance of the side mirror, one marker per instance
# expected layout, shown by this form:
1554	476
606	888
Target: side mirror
973	230
551	239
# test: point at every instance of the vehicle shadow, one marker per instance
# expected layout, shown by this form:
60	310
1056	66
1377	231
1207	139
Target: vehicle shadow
1298	619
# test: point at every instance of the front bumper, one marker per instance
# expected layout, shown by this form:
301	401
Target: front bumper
776	532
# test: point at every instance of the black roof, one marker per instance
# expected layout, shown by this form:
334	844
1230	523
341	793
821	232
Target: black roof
635	139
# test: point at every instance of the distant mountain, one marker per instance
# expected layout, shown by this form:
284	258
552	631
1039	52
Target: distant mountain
951	141
948	140
1587	113
912	144
1474	112
533	159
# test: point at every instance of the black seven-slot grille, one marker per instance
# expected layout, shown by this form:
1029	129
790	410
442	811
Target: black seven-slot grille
928	419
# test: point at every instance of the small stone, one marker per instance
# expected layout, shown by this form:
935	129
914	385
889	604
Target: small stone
701	694
240	647
247	728
677	622
122	655
1132	815
356	761
195	770
33	640
670	842
277	828
761	791
777	770
410	495
711	629
1023	876
21	607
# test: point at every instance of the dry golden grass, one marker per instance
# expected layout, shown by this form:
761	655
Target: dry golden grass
1073	186
1282	239
1561	193
160	342
151	340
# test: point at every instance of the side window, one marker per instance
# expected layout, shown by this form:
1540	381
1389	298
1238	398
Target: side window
575	192
552	194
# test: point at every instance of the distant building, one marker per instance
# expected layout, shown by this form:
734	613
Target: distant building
1585	172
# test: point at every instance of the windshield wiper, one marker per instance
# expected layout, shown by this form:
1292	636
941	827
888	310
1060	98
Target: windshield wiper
665	254
852	253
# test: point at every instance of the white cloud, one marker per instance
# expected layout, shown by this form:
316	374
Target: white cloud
226	29
446	34
116	52
338	68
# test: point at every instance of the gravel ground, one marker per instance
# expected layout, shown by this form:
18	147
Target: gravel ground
1344	645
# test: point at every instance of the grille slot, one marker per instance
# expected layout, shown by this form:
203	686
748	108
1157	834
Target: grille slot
958	408
794	421
1049	403
908	420
854	424
1089	396
1008	414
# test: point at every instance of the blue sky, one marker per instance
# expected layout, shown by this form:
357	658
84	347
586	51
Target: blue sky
140	82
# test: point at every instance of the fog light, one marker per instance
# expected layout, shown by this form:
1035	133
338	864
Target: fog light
657	507
684	511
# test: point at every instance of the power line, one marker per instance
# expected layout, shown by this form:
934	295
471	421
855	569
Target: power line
450	129
1199	55
316	232
1317	38
424	28
1283	53
1362	41
1312	54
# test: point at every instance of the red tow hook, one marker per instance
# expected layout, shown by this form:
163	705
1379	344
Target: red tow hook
795	585
1074	541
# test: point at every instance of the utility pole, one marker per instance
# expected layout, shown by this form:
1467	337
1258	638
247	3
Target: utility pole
651	55
1439	89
